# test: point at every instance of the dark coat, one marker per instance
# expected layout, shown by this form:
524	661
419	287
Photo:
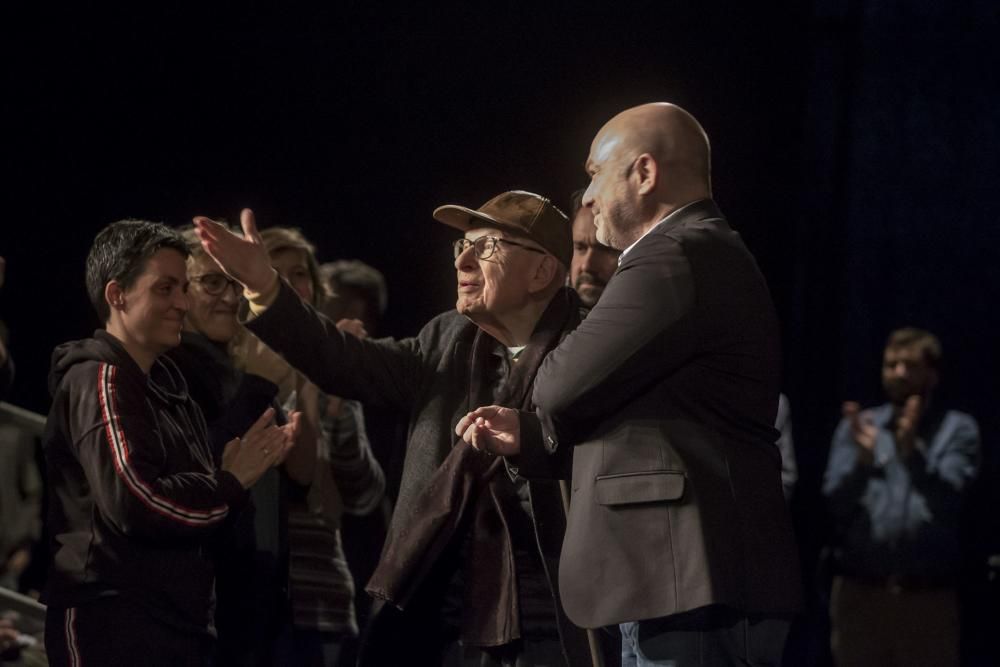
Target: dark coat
432	378
251	554
665	398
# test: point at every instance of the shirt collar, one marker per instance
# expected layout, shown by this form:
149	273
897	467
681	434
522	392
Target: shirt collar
670	216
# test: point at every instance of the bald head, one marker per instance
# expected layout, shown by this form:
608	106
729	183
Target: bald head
645	163
668	133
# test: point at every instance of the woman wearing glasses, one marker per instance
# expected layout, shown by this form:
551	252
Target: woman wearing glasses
231	387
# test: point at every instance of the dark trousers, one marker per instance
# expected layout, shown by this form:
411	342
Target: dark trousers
883	626
540	653
707	637
116	633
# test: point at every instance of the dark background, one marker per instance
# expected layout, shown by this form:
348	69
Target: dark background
856	147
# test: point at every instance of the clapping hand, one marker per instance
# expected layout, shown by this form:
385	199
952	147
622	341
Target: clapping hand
863	430
263	446
906	425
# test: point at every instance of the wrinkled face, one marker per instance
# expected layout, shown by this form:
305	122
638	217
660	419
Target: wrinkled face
153	308
292	265
212	315
609	196
905	373
491	288
593	263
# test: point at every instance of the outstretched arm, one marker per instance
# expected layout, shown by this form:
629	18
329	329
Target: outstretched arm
340	363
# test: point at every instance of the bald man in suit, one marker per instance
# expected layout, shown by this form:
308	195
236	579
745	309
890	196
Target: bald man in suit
663	403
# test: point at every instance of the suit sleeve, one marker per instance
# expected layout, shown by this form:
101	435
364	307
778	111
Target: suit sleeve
640	331
123	457
375	372
539	457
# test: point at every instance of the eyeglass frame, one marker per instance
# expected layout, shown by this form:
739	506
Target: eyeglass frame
461	245
230	282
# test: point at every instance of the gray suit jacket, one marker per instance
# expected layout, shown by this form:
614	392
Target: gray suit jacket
664	400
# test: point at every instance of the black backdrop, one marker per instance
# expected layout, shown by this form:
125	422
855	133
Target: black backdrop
855	147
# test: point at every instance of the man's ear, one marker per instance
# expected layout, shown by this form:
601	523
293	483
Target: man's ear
114	295
647	171
544	273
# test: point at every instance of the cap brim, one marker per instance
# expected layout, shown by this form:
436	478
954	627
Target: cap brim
464	219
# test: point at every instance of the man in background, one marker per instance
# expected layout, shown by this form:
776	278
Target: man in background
357	292
895	482
593	262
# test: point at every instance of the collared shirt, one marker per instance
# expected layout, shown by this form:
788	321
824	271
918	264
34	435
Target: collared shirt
899	516
672	214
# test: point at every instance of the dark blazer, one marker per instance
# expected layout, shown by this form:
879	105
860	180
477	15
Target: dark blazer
664	398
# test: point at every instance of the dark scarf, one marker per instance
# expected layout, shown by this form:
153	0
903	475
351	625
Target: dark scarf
470	488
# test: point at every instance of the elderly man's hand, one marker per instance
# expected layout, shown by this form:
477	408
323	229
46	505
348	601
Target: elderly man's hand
493	429
245	259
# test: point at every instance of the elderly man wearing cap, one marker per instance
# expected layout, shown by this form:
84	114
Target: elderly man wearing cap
664	399
469	567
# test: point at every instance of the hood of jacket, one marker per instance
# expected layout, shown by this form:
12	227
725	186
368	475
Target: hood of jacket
164	379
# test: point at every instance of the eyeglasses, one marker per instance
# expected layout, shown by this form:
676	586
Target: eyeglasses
215	284
485	246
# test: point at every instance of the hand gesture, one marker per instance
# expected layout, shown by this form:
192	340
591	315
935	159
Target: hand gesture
863	430
263	446
353	327
245	259
492	429
291	432
906	425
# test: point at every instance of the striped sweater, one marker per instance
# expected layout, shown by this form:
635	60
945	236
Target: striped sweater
348	479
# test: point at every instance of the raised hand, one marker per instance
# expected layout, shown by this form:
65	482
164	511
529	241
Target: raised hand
863	430
291	431
245	259
906	425
493	429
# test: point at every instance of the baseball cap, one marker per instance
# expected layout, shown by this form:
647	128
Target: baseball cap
518	212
